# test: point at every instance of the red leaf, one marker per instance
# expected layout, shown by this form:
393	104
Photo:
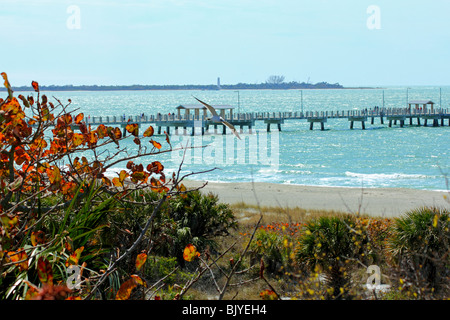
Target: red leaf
167	137
155	167
130	164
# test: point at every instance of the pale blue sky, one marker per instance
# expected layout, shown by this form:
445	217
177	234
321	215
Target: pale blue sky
196	41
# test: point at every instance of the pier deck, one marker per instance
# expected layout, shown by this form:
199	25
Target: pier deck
241	120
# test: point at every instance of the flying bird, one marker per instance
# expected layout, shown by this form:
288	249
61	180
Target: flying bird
218	119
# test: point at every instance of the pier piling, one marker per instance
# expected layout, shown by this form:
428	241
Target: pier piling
392	115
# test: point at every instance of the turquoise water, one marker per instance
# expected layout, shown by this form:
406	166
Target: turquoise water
410	157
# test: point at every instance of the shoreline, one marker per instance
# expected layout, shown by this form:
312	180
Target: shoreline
383	202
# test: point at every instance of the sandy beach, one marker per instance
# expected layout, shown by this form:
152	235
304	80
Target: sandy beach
386	202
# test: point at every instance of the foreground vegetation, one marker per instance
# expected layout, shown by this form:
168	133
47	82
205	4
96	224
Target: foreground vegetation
68	231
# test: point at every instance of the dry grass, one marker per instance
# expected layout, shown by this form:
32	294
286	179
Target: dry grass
248	215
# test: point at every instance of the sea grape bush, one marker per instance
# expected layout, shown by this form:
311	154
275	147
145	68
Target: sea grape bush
55	196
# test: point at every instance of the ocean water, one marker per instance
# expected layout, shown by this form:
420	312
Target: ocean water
409	157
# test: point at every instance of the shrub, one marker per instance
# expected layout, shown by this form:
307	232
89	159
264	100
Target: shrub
333	244
420	250
189	218
55	196
275	244
378	233
193	218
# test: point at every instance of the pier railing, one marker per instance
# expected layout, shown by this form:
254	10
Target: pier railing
249	118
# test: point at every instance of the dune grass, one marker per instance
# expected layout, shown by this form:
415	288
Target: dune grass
248	214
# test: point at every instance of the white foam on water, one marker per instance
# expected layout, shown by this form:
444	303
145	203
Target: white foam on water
384	176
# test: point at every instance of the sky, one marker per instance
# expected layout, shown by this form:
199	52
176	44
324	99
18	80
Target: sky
111	42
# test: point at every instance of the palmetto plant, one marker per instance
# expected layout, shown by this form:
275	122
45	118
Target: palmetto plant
198	219
420	248
333	244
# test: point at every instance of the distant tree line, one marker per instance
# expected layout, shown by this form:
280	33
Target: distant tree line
240	86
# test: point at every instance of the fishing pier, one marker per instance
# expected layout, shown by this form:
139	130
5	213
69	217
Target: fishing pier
195	117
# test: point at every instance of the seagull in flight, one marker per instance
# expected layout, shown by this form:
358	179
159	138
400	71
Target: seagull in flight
218	119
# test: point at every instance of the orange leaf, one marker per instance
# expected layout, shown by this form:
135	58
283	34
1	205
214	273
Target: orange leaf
127	287
106	181
133	128
140	260
45	272
77	139
54	175
69	188
83	128
20	257
24	101
157	145
181	188
190	253
35	86
79	118
123	175
67	118
125	290
268	295
6	83
149	132
138	280
92	138
74	257
116	182
31	293
117	133
102	131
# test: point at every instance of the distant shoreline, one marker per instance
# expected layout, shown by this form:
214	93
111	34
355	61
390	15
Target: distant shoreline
239	86
75	89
